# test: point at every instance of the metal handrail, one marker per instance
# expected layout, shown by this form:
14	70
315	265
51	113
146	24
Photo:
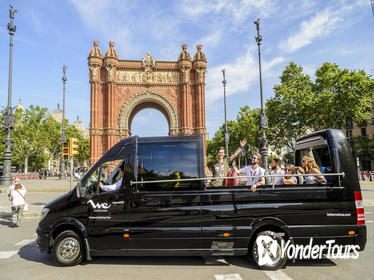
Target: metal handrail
236	177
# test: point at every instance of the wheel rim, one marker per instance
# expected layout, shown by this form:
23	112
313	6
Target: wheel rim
268	251
68	249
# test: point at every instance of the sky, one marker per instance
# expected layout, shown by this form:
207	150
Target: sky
56	32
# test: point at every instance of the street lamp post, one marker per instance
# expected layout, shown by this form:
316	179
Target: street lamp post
227	136
263	119
8	118
63	136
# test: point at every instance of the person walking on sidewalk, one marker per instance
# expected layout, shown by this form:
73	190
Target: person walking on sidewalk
16	194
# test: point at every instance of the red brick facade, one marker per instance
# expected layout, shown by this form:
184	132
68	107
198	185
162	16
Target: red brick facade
121	88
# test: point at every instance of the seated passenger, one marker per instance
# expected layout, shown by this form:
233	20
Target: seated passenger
301	168
116	186
287	180
311	167
254	170
232	181
220	167
276	170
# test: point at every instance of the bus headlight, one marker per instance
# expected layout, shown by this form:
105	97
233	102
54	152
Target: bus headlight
44	213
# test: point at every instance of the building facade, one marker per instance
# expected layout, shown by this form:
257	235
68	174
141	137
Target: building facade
366	130
122	88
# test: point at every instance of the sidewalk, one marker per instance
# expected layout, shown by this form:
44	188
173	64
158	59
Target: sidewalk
36	201
51	184
39	193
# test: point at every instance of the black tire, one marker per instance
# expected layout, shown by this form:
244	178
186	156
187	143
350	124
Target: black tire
270	250
68	248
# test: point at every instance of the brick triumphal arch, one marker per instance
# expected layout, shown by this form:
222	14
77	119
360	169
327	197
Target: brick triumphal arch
121	88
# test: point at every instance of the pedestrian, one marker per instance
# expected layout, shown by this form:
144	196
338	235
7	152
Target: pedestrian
16	194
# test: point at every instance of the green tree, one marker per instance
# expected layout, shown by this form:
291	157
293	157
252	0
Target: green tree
84	151
219	140
289	158
53	146
363	147
290	111
248	121
31	137
245	126
340	95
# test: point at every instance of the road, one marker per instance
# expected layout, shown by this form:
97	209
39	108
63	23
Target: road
21	259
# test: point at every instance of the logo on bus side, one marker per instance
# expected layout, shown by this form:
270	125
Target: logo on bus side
99	206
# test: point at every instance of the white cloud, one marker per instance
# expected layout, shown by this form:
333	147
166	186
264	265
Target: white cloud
135	28
196	8
36	22
236	11
239	75
211	40
322	24
338	16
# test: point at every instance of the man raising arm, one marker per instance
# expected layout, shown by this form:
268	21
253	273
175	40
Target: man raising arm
220	166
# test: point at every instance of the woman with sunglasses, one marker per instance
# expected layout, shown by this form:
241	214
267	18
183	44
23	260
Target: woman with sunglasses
311	167
288	180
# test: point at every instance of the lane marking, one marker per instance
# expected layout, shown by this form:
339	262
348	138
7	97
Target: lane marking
7	254
277	275
24	242
235	276
369	221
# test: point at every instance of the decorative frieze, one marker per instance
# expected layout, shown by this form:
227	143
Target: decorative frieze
141	77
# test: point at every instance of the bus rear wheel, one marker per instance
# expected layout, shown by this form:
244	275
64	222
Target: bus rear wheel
267	251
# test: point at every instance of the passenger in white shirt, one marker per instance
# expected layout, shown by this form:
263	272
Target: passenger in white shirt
116	186
276	170
16	194
254	170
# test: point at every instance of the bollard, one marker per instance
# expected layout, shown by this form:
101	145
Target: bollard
371	176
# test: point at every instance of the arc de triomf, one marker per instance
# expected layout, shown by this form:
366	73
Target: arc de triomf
121	88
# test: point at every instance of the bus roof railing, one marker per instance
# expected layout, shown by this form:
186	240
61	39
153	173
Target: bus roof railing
231	177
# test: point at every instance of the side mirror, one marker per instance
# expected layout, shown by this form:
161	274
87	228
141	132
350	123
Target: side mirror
77	189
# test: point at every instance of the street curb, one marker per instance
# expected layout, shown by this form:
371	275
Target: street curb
65	190
7	215
368	203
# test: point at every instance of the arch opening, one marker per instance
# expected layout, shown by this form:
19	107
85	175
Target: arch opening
143	100
149	120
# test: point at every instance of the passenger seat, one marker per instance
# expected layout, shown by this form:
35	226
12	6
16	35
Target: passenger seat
300	178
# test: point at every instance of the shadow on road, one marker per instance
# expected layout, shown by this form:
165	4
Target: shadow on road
39	203
31	252
318	262
170	261
6	222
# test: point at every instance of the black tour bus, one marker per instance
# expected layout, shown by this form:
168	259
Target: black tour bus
164	207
